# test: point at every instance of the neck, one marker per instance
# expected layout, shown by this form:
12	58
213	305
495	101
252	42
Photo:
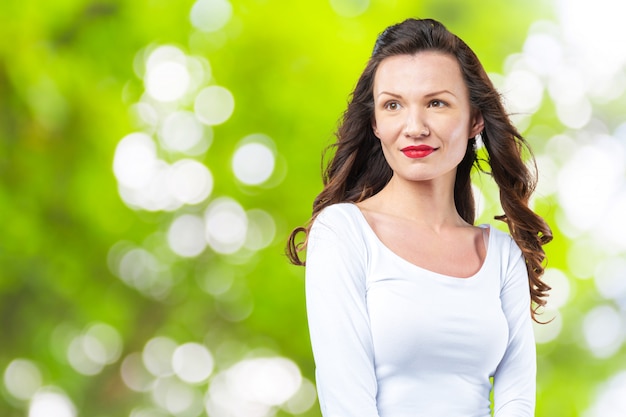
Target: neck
429	202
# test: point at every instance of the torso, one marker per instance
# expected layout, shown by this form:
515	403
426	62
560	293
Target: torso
393	338
432	333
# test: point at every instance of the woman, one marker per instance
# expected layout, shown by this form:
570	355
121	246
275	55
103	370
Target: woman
412	309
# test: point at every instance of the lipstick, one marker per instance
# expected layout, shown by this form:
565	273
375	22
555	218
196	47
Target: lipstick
420	151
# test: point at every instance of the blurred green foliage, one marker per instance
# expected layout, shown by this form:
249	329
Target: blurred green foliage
67	86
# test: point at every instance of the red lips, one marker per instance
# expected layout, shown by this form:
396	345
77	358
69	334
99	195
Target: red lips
420	151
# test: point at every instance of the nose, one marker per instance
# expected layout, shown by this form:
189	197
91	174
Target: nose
415	124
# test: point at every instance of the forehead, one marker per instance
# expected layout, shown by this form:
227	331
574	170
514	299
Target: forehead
424	70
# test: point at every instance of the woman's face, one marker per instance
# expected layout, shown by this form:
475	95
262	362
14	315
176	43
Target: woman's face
422	115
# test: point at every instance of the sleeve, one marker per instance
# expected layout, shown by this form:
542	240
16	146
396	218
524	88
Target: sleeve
515	376
338	319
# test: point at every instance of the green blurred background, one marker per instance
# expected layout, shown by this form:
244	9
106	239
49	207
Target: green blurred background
155	154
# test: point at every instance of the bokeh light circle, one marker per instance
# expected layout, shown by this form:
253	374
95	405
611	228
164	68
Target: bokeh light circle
589	181
134	373
567	85
574	114
177	397
226	225
51	402
609	278
557	280
610	232
157	356
303	399
144	114
603	329
214	105
140	269
135	158
261	229
216	279
210	15
523	91
167	81
22	378
253	163
600	50
610	400
109	339
164	53
185	235
582	257
543	53
85	354
270	381
253	387
190	181
181	131
192	363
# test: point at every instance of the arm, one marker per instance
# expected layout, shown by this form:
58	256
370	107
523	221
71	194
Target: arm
515	377
338	319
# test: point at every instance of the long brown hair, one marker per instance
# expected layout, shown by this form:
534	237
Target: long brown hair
358	169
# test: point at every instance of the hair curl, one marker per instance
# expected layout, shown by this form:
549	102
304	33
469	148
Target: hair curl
358	168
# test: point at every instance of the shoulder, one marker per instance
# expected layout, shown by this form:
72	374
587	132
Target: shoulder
341	221
338	216
339	228
503	241
509	255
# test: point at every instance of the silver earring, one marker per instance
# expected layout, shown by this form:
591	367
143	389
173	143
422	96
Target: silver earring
478	141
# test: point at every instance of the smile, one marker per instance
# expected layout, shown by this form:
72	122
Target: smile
416	152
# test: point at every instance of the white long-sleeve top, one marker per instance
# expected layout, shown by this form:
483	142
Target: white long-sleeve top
391	339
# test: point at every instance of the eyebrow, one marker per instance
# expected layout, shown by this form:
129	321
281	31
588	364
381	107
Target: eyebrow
389	94
434	93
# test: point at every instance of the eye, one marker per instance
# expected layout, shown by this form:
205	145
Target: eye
437	103
392	105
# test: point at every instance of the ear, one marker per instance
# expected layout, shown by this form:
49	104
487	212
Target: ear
374	127
478	123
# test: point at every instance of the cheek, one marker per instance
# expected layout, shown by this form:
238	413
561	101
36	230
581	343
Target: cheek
385	128
459	133
458	140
